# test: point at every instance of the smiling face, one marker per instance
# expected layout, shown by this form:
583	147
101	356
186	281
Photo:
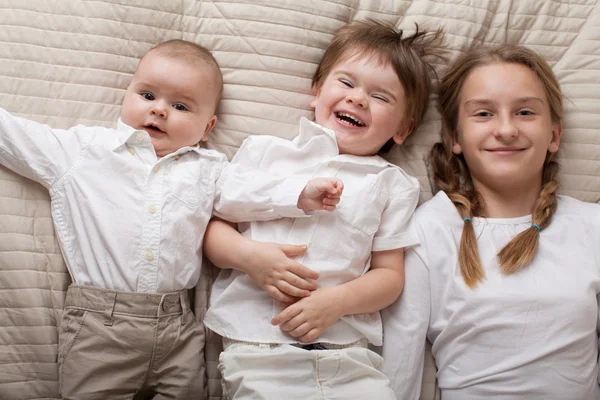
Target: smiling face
171	99
363	102
505	127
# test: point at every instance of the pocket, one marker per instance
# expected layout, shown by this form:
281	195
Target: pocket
361	206
70	325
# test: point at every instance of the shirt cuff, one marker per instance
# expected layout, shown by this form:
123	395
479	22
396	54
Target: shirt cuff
285	201
402	240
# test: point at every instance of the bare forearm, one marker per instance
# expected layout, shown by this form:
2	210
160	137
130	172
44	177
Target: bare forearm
225	247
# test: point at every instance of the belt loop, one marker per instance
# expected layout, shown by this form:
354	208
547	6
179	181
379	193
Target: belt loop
111	299
184	309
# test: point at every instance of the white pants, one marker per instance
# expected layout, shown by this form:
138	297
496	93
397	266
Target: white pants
283	371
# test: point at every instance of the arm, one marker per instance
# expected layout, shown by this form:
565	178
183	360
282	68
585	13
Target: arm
378	288
35	150
268	264
246	193
405	325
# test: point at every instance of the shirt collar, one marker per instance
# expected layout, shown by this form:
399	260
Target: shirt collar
126	134
310	129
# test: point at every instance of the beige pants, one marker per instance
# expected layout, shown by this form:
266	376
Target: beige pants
120	345
276	371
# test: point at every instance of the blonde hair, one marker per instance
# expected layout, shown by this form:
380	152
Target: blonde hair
382	41
191	53
451	172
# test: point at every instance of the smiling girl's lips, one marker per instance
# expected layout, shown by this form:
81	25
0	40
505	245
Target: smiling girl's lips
505	151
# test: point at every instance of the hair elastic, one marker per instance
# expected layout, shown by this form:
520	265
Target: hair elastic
468	219
536	226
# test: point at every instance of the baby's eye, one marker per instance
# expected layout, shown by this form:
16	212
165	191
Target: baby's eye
147	95
380	97
180	107
346	83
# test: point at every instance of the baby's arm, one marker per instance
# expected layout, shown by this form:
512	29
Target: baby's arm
37	151
268	264
308	318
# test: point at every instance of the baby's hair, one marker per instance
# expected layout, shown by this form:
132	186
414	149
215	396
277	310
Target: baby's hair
192	53
384	42
451	173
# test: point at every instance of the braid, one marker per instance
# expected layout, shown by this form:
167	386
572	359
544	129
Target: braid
447	171
519	252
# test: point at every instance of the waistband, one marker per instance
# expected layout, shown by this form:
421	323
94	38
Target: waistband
306	346
148	305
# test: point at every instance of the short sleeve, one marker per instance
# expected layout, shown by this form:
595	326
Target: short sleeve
397	229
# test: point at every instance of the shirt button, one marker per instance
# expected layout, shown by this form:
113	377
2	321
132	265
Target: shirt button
156	168
331	163
177	158
152	209
149	255
131	150
140	136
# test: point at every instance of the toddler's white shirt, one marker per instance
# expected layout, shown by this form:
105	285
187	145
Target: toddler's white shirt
374	214
127	220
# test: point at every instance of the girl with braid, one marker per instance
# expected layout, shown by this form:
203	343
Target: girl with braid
505	280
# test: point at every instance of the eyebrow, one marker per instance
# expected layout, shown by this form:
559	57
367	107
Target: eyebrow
378	87
487	102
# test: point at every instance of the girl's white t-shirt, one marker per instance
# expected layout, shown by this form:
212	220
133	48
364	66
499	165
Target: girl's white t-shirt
530	335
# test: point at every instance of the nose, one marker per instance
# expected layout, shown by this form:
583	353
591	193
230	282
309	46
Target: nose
506	128
159	109
357	98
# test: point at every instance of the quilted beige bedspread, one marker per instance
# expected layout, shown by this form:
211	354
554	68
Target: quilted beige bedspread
67	62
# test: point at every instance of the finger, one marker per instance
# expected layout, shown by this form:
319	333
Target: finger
331	201
298	282
328	208
286	288
286	315
303	272
300	330
278	295
292	250
339	186
310	336
294	323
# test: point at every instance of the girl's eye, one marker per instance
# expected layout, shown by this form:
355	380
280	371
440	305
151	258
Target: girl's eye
379	97
483	114
346	83
147	96
180	107
525	112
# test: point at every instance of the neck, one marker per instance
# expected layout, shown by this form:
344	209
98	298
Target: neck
502	202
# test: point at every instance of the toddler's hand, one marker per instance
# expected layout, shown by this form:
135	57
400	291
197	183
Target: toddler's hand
283	278
309	317
321	194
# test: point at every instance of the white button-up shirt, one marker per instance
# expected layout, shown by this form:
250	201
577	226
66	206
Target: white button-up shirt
531	335
127	220
374	214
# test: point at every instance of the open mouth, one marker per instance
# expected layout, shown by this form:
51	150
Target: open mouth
151	128
348	119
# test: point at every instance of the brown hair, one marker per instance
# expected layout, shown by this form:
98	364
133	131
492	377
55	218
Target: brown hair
192	53
381	40
451	172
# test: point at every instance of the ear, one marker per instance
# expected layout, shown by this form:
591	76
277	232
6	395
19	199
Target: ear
316	92
456	147
405	130
209	125
556	134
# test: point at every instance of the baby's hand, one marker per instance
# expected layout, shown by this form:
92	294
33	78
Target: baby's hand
283	278
321	194
309	317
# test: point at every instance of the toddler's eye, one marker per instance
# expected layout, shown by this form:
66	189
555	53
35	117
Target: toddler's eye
346	83
525	112
483	114
147	95
180	107
379	97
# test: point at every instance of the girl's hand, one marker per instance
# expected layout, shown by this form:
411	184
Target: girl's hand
283	278
309	317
